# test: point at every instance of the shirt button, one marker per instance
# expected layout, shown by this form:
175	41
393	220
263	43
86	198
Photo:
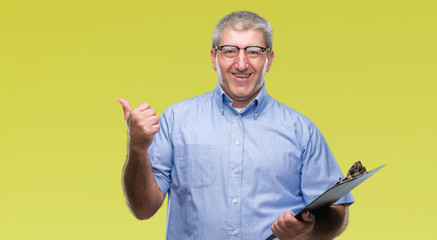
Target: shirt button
237	117
234	201
237	142
235	171
234	233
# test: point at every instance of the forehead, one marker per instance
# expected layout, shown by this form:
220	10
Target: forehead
242	38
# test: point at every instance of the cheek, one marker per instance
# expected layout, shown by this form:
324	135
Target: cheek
260	67
225	67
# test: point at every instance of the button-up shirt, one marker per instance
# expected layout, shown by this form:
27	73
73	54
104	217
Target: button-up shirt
230	174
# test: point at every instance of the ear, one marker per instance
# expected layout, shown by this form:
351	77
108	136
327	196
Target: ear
214	66
271	57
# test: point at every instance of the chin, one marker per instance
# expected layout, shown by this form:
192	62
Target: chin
240	93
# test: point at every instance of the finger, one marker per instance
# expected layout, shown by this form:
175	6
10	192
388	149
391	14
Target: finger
149	121
276	230
149	112
148	116
289	219
143	107
283	221
126	107
153	120
155	128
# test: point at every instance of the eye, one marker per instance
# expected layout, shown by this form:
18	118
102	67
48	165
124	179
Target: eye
229	51
253	52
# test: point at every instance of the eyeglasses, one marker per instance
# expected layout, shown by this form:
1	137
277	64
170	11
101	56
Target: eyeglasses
230	52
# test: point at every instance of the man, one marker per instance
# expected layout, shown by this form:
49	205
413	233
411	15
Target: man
233	161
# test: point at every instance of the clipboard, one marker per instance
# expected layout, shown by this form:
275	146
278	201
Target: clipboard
333	194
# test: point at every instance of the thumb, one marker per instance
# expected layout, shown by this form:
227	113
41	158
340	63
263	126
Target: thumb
126	107
308	217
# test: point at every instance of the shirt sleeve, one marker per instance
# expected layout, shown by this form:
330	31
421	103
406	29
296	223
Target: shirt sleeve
320	170
161	152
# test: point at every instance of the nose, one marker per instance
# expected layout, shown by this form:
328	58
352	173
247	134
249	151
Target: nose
241	62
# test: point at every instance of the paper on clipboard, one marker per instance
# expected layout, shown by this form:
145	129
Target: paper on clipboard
333	194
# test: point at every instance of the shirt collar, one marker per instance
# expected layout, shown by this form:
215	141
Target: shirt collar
259	103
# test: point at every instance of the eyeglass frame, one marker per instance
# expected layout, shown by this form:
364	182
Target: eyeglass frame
263	49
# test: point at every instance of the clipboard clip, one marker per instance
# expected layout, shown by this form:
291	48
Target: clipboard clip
357	170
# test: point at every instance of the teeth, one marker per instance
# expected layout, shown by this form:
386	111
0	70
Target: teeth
242	76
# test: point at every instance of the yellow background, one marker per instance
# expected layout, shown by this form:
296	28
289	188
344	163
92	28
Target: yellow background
363	71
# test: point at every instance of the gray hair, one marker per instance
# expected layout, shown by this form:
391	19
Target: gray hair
243	20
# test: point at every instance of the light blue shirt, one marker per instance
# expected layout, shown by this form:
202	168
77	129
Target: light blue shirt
229	175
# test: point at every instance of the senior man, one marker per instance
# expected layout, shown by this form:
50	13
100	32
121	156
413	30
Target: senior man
235	163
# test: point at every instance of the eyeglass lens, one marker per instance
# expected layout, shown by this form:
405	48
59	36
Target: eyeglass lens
231	52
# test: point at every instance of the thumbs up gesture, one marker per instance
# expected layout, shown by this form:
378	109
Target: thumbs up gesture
142	123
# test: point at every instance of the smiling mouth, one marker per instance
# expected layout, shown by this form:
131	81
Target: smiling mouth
241	75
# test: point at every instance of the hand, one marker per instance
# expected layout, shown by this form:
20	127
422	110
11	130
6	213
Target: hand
142	123
287	227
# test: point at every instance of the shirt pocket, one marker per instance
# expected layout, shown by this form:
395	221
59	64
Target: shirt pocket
196	165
